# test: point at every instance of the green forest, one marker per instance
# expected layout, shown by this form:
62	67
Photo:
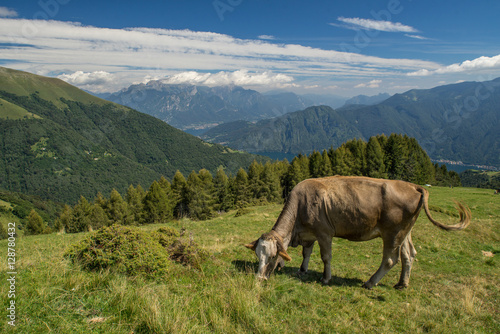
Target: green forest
201	195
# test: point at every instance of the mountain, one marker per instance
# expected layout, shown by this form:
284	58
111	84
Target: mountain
457	122
59	142
367	100
196	108
297	132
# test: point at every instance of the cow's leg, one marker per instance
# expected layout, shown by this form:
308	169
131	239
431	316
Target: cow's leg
325	246
408	254
307	249
389	260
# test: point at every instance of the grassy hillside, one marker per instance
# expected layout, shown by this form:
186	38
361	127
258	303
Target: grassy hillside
59	142
455	285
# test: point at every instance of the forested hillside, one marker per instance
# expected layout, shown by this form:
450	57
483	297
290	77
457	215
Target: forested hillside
59	142
201	195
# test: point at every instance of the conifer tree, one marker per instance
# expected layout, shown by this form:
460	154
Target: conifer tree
221	189
80	217
117	209
156	205
135	201
339	161
200	195
315	164
35	223
375	166
98	217
272	186
242	193
64	220
326	167
179	195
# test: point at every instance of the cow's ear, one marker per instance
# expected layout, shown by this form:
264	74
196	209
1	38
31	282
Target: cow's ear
252	245
285	256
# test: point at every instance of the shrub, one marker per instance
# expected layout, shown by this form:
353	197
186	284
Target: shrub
132	251
121	249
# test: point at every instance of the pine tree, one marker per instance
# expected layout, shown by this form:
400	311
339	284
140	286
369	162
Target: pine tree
179	195
64	220
375	166
315	164
98	217
339	161
156	205
135	201
255	183
117	209
395	156
200	195
272	186
326	167
80	217
35	223
241	191
221	188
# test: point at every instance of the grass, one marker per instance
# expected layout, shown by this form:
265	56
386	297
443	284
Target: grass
454	288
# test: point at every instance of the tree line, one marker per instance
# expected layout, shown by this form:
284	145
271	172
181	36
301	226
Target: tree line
202	195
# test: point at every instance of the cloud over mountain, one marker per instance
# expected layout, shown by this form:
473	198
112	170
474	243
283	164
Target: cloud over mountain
480	63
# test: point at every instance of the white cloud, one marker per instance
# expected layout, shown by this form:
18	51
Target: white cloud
371	84
480	63
86	78
369	24
7	12
416	37
132	54
268	37
240	78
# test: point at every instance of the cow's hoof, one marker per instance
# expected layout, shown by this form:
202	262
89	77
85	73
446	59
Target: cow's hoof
367	285
301	273
325	281
400	286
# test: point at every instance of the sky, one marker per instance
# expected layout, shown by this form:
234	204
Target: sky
342	48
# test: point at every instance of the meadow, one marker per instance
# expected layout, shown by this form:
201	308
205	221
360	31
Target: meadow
454	288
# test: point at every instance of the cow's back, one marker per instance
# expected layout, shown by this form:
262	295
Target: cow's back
355	208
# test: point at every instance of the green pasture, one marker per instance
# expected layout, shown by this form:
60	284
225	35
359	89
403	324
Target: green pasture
454	288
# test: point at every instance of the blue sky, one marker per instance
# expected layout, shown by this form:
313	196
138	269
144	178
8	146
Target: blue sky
328	47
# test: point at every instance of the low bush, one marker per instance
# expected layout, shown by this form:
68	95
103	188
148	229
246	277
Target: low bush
134	252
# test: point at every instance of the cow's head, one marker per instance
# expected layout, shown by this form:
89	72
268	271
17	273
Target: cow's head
270	251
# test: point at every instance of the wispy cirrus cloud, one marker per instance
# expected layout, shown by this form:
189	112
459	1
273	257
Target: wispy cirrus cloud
481	63
356	23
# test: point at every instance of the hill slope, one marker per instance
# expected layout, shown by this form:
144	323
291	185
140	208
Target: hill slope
70	143
455	122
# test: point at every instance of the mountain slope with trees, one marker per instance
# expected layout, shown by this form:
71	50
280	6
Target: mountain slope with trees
455	122
63	143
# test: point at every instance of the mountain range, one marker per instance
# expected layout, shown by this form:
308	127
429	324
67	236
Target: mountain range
457	122
59	142
195	109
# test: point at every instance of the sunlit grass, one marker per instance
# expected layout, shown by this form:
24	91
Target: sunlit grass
454	287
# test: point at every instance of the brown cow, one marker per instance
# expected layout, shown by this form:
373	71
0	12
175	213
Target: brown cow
353	208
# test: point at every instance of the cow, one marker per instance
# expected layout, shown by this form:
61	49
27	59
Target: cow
352	208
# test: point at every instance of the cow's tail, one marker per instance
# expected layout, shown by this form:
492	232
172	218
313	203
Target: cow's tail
465	214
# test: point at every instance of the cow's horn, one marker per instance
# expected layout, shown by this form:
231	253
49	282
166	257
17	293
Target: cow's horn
285	255
252	245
